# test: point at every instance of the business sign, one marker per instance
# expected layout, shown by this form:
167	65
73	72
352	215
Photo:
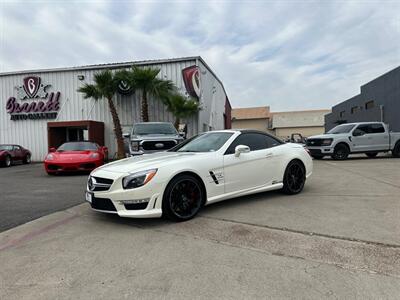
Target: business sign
191	78
124	88
34	101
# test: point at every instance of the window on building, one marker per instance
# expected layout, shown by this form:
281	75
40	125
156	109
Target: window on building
369	105
354	109
341	114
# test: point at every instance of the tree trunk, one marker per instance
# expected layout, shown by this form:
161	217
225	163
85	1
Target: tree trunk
117	129
177	122
145	107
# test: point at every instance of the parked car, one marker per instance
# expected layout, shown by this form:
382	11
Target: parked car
75	156
366	137
152	137
207	168
296	138
10	154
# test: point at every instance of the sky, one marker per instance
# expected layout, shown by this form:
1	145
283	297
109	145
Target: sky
290	55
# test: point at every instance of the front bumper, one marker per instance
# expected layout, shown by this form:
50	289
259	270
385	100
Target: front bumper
127	202
327	150
60	167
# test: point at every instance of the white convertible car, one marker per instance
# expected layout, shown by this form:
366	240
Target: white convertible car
207	168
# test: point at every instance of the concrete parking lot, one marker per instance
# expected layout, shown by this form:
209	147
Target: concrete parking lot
340	238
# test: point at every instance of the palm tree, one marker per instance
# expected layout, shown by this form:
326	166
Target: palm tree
105	86
181	107
145	80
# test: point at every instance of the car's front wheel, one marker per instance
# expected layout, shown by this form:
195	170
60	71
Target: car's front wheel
396	150
7	161
183	198
341	152
294	178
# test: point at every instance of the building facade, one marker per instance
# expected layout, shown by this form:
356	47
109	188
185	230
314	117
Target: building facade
42	108
281	124
379	100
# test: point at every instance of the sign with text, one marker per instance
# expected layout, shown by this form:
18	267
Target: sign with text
36	102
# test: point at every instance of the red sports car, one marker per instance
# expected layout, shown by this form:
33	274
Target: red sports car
75	156
12	153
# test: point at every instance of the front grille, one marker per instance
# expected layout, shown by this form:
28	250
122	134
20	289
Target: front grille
53	167
88	166
136	206
314	142
158	145
99	184
315	151
102	204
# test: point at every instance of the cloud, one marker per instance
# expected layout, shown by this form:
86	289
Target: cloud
286	54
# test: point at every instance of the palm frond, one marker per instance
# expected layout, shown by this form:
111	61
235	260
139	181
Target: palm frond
90	91
181	107
105	83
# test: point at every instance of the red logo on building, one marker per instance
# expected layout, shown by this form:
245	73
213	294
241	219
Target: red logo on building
191	78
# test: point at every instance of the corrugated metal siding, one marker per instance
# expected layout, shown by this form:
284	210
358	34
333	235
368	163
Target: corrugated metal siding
33	133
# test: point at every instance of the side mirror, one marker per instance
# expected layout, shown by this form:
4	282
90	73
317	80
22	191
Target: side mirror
126	135
182	134
358	132
52	149
241	149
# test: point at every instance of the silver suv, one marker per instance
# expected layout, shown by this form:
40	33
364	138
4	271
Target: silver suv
152	137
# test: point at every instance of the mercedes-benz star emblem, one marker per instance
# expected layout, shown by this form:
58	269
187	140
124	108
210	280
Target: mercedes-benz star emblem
91	183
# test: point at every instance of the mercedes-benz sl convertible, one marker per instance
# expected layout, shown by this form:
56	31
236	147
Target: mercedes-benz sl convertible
207	168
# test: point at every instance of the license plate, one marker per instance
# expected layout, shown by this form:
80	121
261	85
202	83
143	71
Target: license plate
89	197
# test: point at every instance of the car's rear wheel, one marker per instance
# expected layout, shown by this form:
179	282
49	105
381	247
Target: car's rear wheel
183	198
7	161
294	178
27	159
371	154
341	152
396	150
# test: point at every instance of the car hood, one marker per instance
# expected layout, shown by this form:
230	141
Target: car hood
326	136
151	137
148	161
71	155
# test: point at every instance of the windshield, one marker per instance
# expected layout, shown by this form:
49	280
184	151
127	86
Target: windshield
77	146
160	128
206	142
341	129
6	147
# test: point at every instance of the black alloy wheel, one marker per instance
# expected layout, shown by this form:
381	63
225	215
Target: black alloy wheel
183	198
341	152
294	178
7	161
396	150
27	159
371	154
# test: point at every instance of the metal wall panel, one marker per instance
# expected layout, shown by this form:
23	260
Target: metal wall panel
32	134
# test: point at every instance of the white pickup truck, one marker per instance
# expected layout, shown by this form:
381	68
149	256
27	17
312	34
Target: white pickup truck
366	137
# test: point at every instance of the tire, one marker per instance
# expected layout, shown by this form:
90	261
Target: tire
7	161
294	178
27	159
371	154
317	156
183	198
396	150
341	152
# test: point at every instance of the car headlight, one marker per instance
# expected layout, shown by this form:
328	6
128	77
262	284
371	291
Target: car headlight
135	146
327	142
50	157
139	179
94	155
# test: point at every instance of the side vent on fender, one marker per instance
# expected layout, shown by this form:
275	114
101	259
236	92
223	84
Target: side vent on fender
214	177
